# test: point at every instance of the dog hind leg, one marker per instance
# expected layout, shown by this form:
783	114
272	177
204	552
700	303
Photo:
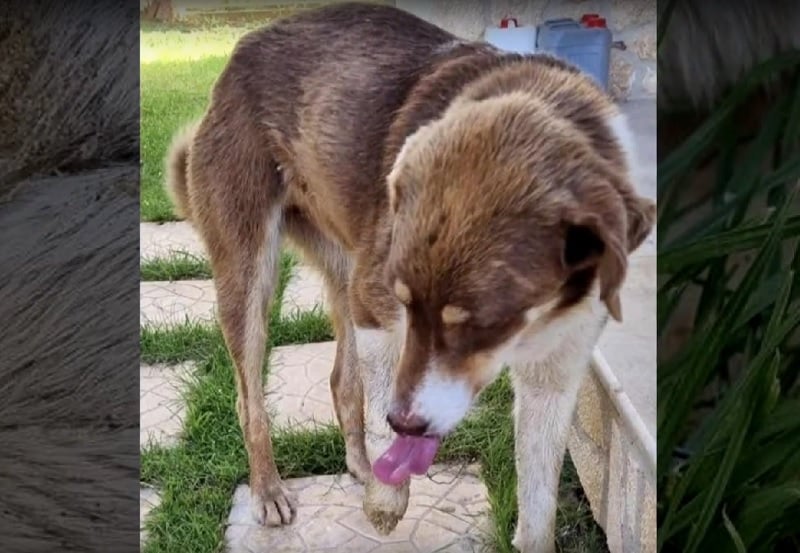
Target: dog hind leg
236	193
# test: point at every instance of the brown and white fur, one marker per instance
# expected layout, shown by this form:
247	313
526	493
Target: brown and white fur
467	209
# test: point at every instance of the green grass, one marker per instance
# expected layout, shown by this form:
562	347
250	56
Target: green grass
728	402
197	477
181	266
178	68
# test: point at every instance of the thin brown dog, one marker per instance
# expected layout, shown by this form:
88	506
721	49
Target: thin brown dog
467	208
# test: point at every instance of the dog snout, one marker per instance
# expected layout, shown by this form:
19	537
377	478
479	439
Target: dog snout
407	423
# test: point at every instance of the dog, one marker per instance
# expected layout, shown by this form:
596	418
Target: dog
468	209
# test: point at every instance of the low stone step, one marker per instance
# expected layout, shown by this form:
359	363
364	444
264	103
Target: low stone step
615	459
448	511
164	304
163	240
161	406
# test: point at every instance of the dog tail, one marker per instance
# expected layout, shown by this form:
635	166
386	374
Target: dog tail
177	171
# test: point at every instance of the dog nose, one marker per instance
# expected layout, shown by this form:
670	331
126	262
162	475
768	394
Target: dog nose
406	423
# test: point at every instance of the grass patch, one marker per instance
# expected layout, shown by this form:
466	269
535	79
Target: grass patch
181	266
185	266
179	66
173	94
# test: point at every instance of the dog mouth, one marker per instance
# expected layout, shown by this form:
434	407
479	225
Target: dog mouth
406	456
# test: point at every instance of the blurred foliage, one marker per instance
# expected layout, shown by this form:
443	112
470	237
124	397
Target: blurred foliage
729	396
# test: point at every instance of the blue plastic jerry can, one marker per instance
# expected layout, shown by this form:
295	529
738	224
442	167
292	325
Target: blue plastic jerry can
585	44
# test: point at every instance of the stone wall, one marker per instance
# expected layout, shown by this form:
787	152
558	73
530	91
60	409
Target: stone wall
633	71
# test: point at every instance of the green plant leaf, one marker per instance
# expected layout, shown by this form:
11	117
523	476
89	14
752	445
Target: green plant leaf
684	157
751	403
723	244
706	344
735	537
768	510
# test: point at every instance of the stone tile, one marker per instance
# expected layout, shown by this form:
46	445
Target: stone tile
162	240
160	402
304	291
298	388
149	499
172	303
448	511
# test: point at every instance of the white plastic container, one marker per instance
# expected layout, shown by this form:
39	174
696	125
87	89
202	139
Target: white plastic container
509	36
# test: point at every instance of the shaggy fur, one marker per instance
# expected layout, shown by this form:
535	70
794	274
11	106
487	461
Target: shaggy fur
69	273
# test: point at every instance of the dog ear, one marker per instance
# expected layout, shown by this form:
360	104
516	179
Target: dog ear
596	235
641	219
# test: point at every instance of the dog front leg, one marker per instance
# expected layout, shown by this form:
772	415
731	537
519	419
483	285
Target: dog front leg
379	352
545	402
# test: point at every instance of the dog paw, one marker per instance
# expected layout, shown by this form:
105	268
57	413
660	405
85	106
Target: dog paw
385	505
272	505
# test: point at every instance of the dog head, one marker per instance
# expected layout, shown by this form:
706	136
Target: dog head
509	227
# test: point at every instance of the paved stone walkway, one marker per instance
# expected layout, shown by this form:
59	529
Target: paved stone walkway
164	304
298	390
448	509
447	512
162	240
304	292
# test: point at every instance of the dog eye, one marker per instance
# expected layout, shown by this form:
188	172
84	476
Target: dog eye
401	291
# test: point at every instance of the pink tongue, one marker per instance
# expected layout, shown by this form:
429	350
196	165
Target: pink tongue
406	456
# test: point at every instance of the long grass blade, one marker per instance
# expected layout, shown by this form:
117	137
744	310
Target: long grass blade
735	537
723	244
706	345
759	399
726	412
